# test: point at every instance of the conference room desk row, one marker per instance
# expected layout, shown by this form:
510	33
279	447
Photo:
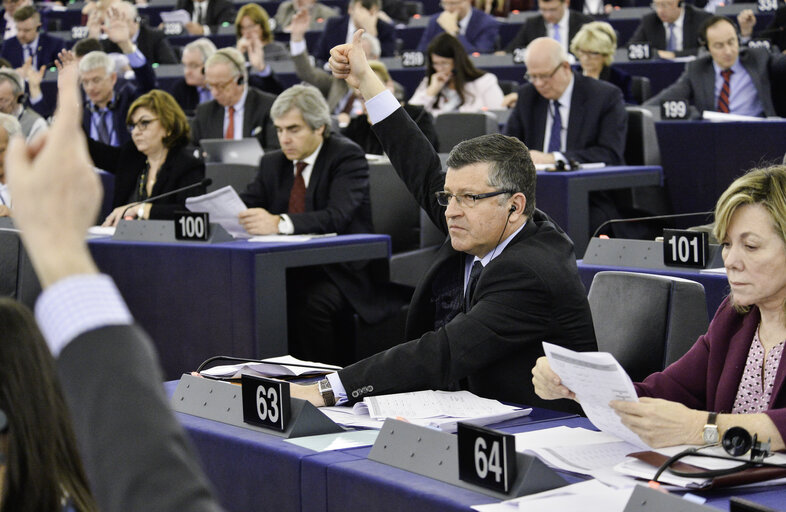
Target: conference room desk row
256	471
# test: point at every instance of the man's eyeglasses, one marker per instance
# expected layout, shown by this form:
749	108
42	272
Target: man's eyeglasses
467	200
142	124
223	85
543	78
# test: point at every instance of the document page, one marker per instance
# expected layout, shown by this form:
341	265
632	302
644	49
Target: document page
597	379
223	205
281	366
432	404
179	16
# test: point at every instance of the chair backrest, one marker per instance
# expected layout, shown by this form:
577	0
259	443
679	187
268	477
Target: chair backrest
509	86
454	127
236	175
394	211
641	143
641	88
646	321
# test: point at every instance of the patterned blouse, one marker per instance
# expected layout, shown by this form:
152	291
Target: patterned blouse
752	397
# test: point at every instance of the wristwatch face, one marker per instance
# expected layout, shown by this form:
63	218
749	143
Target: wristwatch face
710	434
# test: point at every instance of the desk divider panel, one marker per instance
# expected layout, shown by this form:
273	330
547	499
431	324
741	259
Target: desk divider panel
163	231
636	253
433	453
222	401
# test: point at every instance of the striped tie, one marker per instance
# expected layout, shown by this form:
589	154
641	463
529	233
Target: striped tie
723	99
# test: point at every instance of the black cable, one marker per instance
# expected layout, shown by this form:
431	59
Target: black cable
709	473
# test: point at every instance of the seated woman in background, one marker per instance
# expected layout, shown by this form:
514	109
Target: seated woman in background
155	161
40	468
453	83
735	371
594	45
255	42
359	128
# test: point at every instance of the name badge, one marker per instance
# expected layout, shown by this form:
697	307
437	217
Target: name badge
486	457
518	55
673	110
682	248
639	51
192	226
265	402
413	59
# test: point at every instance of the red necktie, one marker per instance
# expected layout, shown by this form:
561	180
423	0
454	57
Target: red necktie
231	124
723	99
297	196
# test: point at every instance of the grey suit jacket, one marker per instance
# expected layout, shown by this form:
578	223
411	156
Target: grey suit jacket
651	30
697	82
208	122
597	123
136	454
331	88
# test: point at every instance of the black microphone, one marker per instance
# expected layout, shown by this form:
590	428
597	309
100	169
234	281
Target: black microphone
204	183
652	217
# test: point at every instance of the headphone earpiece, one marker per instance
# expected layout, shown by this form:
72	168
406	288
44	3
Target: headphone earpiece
512	208
240	79
737	441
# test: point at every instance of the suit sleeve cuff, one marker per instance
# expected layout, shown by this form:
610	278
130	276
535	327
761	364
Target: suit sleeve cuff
381	106
76	305
338	388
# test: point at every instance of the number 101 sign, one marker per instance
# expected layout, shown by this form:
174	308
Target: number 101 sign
684	248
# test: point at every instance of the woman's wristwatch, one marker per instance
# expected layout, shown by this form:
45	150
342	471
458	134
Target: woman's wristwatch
326	390
140	213
710	434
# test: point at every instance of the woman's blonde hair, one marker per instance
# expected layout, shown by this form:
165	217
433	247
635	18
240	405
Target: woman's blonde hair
596	36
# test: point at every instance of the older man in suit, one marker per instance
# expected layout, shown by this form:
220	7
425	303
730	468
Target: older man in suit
361	14
316	183
30	42
673	29
207	15
729	79
152	43
476	30
555	21
236	111
505	281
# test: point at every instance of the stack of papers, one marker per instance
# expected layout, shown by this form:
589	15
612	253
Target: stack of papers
436	409
281	367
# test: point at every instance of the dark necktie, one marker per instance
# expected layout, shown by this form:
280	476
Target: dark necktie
671	44
723	98
474	275
103	131
297	196
555	141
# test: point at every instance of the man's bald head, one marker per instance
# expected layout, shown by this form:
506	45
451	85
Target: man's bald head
548	68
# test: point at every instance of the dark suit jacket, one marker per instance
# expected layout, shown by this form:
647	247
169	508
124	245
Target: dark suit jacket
535	27
209	120
180	169
335	33
185	95
776	30
697	82
135	453
46	52
359	130
621	79
337	201
481	34
152	43
597	123
218	12
651	30
708	375
125	94
529	293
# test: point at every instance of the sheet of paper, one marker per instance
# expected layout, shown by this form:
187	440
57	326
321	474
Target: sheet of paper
340	441
588	496
179	16
96	231
223	205
721	116
282	366
597	379
288	238
432	404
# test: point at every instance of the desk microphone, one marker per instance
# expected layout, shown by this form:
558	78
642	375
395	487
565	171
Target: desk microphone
652	217
204	183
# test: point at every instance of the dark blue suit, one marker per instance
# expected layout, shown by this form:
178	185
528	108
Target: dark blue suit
480	36
335	33
46	50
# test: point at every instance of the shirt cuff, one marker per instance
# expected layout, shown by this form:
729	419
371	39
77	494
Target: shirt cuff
136	59
339	392
76	305
297	47
285	225
264	73
34	100
381	106
559	157
205	30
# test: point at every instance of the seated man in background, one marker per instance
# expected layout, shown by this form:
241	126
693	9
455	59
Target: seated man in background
728	79
505	281
555	20
316	183
30	42
152	43
207	15
673	29
134	451
287	10
361	14
9	127
191	90
476	30
12	94
236	111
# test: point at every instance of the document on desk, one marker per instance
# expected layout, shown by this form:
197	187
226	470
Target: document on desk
597	379
589	496
281	366
223	205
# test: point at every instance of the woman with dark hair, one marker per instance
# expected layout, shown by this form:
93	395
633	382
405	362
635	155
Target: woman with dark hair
40	468
155	161
453	83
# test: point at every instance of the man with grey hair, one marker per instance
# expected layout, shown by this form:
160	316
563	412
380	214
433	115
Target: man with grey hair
191	90
237	110
12	93
152	43
316	183
107	97
9	127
